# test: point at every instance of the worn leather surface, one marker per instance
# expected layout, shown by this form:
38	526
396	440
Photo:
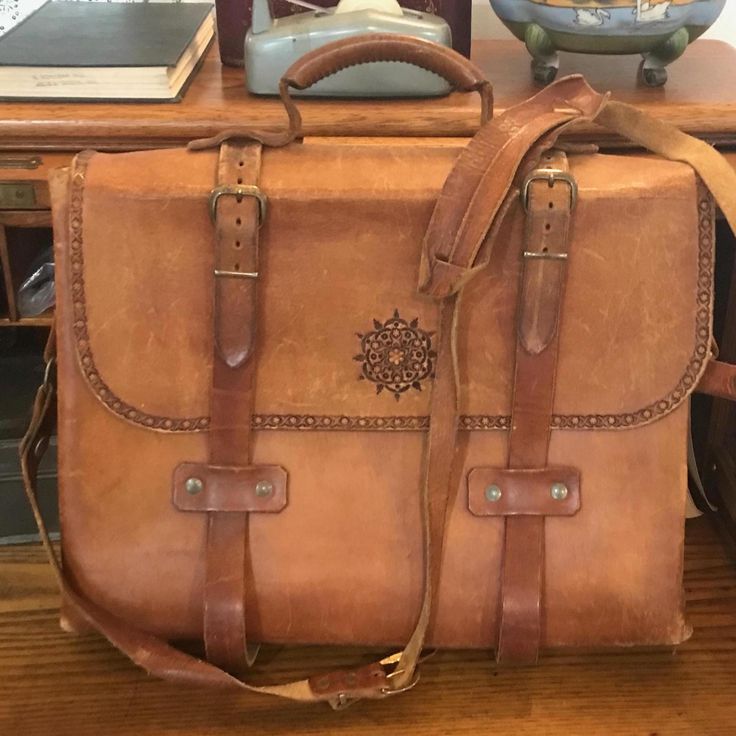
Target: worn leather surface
332	265
165	366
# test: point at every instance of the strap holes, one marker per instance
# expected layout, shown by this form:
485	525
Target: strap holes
240	180
237	267
545	249
238	221
547	226
551	205
237	244
241	163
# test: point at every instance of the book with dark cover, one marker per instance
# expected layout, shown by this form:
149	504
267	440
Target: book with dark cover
85	50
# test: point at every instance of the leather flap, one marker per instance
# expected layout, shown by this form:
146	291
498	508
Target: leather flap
203	487
553	491
346	343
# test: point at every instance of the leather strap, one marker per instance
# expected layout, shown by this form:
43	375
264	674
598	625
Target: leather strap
549	205
237	222
436	483
237	210
484	181
719	380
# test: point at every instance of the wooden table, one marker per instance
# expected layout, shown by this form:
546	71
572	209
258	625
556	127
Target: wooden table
700	97
53	684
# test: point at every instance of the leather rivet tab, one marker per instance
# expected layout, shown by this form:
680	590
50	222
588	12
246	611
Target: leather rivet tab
193	486
558	491
264	488
493	493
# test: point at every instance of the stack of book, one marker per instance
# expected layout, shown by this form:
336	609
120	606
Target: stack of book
107	51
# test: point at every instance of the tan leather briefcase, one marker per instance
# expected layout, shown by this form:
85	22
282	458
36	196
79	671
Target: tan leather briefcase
415	394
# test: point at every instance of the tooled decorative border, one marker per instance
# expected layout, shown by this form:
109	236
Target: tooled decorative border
310	422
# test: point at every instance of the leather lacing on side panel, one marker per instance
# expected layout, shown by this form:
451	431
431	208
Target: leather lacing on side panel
311	422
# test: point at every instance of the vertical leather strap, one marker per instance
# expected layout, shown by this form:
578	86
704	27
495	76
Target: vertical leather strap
549	201
436	483
237	220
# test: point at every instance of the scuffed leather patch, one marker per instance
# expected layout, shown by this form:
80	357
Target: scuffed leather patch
96	356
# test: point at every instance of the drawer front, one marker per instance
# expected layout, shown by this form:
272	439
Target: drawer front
24	179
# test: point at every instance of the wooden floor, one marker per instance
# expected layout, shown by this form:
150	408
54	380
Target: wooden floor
55	684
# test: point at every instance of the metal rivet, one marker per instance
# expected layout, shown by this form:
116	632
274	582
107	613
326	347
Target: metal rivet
193	486
493	493
558	491
264	488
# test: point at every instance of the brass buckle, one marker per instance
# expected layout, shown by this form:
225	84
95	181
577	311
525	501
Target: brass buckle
241	190
394	659
551	176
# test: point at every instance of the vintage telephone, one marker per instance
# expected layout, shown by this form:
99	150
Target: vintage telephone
272	45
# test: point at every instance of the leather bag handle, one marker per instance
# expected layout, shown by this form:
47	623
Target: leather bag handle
333	57
327	60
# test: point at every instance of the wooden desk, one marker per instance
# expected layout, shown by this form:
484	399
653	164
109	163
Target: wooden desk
55	684
700	97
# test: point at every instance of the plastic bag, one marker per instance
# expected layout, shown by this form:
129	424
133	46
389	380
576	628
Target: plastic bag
37	293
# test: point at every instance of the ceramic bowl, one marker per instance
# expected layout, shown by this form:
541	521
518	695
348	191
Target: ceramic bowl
659	30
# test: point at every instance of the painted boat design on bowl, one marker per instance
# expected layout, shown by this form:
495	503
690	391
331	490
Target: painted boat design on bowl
659	30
